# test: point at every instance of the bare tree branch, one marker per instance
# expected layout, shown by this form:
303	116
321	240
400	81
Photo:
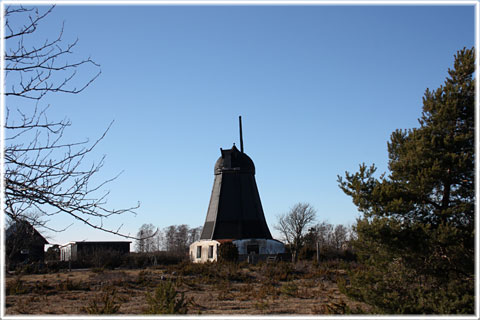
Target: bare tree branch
44	173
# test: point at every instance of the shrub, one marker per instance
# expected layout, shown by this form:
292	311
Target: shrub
167	300
206	270
231	272
16	287
31	268
283	271
289	289
106	305
227	252
135	260
144	277
69	285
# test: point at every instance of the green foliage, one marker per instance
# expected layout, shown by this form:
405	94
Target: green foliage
16	287
31	268
289	289
69	285
210	272
227	252
167	300
416	239
186	268
282	271
106	303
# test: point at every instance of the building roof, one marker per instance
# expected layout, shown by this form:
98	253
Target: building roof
93	242
234	160
23	228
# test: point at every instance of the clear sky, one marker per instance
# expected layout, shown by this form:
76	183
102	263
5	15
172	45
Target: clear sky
319	88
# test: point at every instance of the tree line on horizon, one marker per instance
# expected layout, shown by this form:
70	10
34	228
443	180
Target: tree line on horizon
173	239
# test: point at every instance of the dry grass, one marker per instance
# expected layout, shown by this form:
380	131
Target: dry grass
212	289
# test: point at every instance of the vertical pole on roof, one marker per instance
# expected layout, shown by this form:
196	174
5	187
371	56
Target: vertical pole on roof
241	136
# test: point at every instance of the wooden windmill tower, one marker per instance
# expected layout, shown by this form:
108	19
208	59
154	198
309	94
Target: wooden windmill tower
235	212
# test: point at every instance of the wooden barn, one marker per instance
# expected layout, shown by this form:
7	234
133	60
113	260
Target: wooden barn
23	244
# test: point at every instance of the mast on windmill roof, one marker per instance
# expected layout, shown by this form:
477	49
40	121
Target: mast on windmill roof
241	136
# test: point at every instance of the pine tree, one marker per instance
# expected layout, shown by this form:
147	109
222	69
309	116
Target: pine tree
416	237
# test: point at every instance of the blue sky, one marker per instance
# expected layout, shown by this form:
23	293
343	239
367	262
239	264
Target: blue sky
320	89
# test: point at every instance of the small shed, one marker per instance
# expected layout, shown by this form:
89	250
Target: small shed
204	251
80	250
23	244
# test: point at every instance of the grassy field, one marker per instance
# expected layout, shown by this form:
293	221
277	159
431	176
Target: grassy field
209	289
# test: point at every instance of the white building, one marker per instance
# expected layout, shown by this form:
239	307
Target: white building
207	250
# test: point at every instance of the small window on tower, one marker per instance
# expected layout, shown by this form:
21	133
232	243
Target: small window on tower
199	252
210	252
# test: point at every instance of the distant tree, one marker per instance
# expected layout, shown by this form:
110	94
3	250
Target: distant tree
181	239
170	235
177	238
340	236
159	240
194	234
146	238
44	173
324	232
416	237
330	241
294	225
53	253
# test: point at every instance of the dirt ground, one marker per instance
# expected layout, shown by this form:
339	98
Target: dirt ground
249	290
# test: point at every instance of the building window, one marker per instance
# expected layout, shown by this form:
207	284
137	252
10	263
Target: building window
199	252
210	252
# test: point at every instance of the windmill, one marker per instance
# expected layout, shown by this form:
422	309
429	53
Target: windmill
235	212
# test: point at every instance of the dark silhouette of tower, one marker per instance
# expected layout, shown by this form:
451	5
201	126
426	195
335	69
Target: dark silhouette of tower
235	210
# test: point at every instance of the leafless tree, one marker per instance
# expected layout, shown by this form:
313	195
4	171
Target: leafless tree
146	238
324	232
177	238
340	236
158	240
43	172
194	234
170	233
181	238
294	225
